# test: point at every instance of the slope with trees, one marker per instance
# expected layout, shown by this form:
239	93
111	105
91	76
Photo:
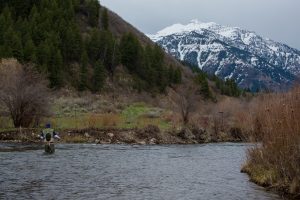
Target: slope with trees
67	39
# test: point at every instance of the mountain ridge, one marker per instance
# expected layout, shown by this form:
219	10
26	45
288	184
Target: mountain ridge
231	52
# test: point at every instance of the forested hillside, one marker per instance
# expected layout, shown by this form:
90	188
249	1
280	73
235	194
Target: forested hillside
72	43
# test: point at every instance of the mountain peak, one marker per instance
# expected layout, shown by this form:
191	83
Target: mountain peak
231	52
178	28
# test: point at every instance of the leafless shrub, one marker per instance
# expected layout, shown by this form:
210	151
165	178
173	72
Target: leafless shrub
23	92
186	102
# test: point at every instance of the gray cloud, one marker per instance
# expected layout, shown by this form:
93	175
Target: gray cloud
275	19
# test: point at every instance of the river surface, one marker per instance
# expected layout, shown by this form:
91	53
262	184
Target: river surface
85	171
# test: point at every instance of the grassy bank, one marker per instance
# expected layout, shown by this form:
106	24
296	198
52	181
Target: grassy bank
276	162
137	115
74	114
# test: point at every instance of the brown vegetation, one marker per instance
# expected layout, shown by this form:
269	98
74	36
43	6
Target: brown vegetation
23	92
273	119
185	102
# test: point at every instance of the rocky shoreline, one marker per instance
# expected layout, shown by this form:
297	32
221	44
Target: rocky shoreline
148	135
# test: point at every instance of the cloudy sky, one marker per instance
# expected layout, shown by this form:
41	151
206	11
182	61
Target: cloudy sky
276	19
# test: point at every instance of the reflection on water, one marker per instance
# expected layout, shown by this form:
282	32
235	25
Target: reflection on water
128	172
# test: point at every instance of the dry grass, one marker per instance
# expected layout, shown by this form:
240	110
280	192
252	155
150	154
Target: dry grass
87	121
275	121
104	120
5	122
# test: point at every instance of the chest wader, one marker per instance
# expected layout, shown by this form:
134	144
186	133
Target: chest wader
49	140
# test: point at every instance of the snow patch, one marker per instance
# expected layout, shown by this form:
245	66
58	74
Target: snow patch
273	48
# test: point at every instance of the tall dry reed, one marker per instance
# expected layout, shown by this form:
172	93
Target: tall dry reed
274	120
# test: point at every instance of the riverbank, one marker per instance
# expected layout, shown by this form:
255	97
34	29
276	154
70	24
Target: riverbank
276	162
268	178
148	135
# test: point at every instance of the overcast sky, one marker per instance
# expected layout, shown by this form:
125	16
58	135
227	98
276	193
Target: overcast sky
276	19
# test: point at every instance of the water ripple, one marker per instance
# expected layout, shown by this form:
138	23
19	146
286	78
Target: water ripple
119	172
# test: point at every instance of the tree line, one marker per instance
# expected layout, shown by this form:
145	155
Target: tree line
226	87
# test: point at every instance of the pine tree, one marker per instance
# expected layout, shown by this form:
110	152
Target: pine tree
104	19
67	6
171	74
54	68
108	48
205	91
73	44
93	7
130	52
22	8
43	55
34	23
177	76
2	28
94	46
203	83
13	44
29	51
99	76
163	79
8	17
83	72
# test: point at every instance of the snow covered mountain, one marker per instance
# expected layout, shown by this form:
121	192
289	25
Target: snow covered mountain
230	52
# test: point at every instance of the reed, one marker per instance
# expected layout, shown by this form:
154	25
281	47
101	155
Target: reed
276	123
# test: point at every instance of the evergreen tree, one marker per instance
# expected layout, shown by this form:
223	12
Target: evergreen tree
99	76
163	77
107	48
204	88
205	91
22	8
43	56
93	7
76	4
37	34
104	19
13	44
130	52
2	28
146	71
94	46
67	6
157	64
8	17
73	44
55	66
177	76
170	74
29	51
83	72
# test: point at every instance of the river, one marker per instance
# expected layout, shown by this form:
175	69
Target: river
86	171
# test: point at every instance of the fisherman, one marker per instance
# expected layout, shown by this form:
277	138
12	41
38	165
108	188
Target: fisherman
48	135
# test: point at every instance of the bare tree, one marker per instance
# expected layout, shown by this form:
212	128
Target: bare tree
186	102
23	92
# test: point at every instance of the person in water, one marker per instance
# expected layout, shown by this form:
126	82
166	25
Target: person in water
48	134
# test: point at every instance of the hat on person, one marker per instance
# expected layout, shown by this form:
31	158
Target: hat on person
48	125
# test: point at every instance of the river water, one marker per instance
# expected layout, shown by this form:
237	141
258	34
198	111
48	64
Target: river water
84	171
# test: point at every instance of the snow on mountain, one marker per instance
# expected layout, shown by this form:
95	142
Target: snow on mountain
231	52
